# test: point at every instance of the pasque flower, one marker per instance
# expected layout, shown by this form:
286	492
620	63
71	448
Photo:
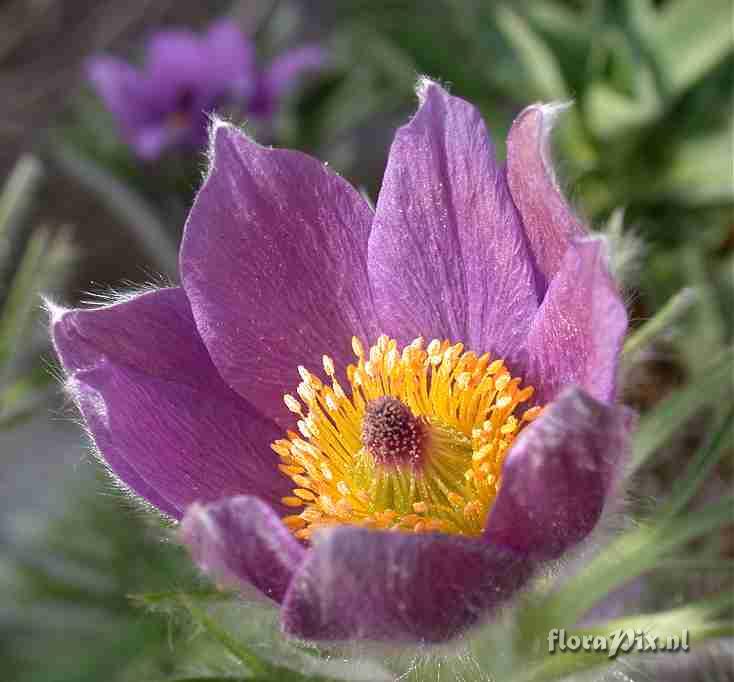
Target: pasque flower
185	77
384	420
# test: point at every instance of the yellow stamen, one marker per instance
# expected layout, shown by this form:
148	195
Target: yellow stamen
417	446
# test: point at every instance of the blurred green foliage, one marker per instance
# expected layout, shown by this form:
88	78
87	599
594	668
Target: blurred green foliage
32	260
67	612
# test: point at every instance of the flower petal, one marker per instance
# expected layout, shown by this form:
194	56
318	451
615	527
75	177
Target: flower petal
150	141
230	58
399	586
273	262
180	76
549	222
577	334
285	70
282	75
447	254
121	88
558	476
174	54
240	539
161	416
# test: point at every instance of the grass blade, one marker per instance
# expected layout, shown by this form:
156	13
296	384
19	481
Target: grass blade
658	426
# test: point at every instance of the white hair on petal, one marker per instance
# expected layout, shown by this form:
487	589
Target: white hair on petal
424	83
626	248
549	115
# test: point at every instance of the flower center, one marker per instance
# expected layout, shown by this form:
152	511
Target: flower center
418	445
391	433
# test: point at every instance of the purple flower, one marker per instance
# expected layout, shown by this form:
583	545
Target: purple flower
415	485
187	76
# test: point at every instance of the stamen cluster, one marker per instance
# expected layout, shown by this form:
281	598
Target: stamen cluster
417	445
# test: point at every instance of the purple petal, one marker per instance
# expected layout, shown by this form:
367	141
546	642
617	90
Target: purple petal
577	334
176	53
273	262
241	540
150	141
286	69
399	586
120	87
558	476
230	58
549	222
447	254
180	76
282	76
161	416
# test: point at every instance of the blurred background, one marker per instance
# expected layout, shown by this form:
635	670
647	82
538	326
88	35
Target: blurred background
645	155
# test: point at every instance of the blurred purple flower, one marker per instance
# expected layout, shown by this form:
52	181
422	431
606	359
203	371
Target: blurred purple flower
185	390
187	76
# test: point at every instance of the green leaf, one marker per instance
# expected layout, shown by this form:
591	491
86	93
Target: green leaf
668	315
691	38
242	653
699	172
701	465
672	414
560	22
45	255
611	113
536	59
250	632
17	196
678	531
167	600
640	16
65	601
45	261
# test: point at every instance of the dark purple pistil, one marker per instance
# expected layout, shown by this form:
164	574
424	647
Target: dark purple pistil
391	433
